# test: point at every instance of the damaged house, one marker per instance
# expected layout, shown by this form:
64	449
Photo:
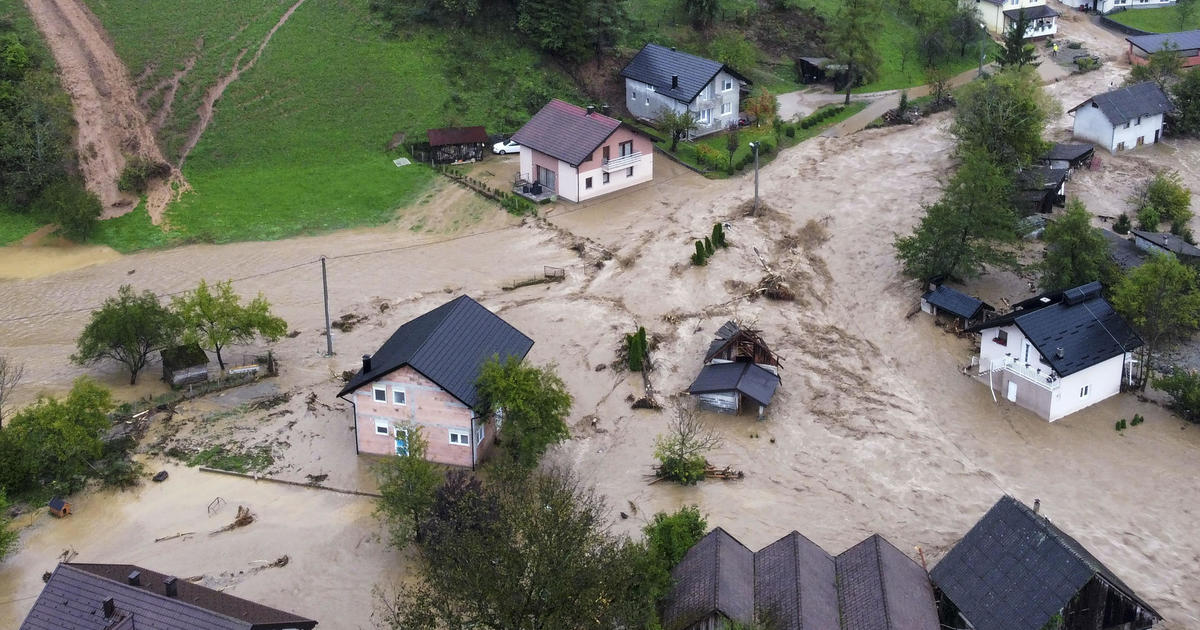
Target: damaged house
739	369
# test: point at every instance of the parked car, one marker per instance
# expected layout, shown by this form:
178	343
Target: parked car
743	120
504	147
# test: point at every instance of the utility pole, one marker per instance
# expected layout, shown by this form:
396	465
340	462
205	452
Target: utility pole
754	145
328	328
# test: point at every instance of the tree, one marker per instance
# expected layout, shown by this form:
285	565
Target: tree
1186	95
1003	116
1076	252
216	319
1185	12
408	484
550	560
678	124
72	207
1161	300
53	441
1016	53
1163	198
680	451
1162	67
732	142
762	106
1183	386
964	27
702	12
10	376
573	30
531	402
971	226
668	538
853	36
127	329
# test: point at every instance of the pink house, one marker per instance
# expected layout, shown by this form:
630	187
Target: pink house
424	377
578	154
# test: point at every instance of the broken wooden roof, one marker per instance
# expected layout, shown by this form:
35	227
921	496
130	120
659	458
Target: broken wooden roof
1015	570
749	379
743	344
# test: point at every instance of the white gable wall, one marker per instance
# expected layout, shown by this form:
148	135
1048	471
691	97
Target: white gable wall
1101	380
1092	125
1145	130
568	181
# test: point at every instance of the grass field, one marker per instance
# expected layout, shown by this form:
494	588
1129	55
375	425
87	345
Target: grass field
1161	20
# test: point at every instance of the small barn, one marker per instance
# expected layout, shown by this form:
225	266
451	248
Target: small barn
59	507
1069	156
739	369
184	364
961	309
1040	188
453	145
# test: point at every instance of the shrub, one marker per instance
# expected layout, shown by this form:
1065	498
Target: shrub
1086	64
670	536
718	235
710	157
684	470
1149	218
790	131
700	257
139	172
1183	386
1122	225
636	350
72	207
709	250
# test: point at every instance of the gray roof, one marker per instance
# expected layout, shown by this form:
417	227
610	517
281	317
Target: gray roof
655	65
1122	250
1185	40
1015	569
748	379
955	302
1041	178
1068	152
798	586
1035	12
1169	242
447	345
1123	105
73	597
715	576
565	131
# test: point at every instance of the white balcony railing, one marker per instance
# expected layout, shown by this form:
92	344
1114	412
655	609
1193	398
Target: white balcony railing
625	161
1040	376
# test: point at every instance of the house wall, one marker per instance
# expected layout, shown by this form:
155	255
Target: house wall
427	406
1108	6
722	402
1092	125
531	159
643	101
1145	130
1102	380
568	181
1191	56
993	18
643	169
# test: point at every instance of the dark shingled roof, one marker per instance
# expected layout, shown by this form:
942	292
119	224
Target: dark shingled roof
655	65
716	575
1185	40
73	598
749	379
1041	178
1036	12
447	345
1015	569
798	586
1122	250
1169	242
565	131
955	302
1078	320
1068	152
457	135
1123	105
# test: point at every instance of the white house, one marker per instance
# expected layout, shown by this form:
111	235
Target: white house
1057	353
1122	119
1108	6
659	78
998	15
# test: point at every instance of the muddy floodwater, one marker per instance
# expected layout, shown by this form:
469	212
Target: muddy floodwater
25	262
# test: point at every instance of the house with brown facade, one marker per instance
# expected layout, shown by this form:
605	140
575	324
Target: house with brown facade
423	378
575	153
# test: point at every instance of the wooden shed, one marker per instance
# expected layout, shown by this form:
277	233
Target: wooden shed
59	507
452	145
184	364
738	369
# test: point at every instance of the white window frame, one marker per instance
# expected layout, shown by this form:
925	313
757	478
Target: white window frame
382	424
727	85
704	116
403	394
375	390
458	437
1084	391
726	109
480	433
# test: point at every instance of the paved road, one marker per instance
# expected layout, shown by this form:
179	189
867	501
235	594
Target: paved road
890	100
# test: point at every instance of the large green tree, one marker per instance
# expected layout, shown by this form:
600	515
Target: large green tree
127	329
408	484
1186	96
530	403
54	441
1164	198
215	317
971	226
853	36
524	552
575	30
1076	252
1004	116
1016	52
1161	299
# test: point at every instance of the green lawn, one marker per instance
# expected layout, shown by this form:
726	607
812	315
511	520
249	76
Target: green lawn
1161	20
15	226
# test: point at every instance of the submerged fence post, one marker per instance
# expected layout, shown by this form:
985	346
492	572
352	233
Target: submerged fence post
325	290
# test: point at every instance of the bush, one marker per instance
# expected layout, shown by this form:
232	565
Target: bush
1183	386
1122	225
139	172
72	207
700	257
711	158
684	470
790	131
670	536
709	250
636	350
1086	64
718	235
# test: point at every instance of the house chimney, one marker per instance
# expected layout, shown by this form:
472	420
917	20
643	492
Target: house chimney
170	587
1037	506
135	578
591	109
674	81
366	363
1058	352
604	109
110	608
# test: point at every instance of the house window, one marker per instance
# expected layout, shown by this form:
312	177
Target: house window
401	441
398	397
1126	124
380	393
480	431
727	85
726	109
1120	146
587	183
629	172
604	178
705	116
1083	391
382	428
633	94
626	148
462	438
1001	337
1139	121
647	101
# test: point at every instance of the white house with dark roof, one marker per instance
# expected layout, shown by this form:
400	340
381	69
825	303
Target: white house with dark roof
659	78
1108	6
578	154
1058	352
998	15
1122	119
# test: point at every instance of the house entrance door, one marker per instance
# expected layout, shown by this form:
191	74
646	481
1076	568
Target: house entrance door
1012	391
1156	132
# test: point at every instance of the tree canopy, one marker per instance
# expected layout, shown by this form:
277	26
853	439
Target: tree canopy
1163	67
853	36
127	329
53	441
1164	198
531	404
1161	300
1004	116
1076	252
408	484
1186	95
215	317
